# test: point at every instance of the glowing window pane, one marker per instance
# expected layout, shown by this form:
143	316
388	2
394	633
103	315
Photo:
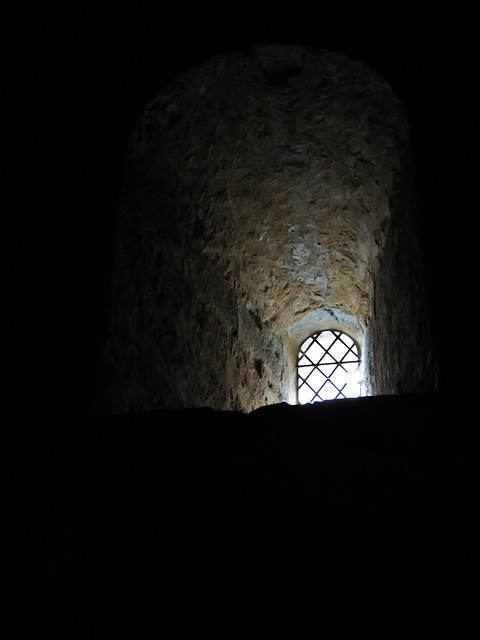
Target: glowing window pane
327	368
326	339
305	395
329	391
315	352
338	350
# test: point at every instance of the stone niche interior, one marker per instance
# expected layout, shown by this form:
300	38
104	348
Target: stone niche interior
268	194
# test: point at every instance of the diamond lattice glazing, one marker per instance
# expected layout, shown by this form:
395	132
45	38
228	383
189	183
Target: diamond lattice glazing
328	365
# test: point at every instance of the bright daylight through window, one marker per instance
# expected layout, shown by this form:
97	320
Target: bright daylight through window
328	368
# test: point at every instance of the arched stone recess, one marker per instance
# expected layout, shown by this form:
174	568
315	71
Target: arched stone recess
262	190
323	319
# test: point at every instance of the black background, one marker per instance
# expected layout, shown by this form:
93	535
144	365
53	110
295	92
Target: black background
77	78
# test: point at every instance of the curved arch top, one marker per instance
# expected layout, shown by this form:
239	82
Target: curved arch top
263	190
328	367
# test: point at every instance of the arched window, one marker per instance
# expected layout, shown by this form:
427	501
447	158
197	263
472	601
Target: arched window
328	367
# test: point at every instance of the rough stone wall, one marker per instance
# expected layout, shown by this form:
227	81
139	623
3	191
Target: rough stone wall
400	356
258	192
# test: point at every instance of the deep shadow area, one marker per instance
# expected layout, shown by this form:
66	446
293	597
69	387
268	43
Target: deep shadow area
77	79
221	520
365	511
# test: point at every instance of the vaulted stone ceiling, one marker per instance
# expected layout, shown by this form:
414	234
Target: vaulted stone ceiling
261	190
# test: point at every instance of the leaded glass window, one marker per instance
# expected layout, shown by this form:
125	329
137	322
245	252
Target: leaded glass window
328	368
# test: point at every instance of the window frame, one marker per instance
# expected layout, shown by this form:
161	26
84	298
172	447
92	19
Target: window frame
338	333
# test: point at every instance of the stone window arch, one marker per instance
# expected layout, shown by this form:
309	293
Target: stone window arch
328	367
249	238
